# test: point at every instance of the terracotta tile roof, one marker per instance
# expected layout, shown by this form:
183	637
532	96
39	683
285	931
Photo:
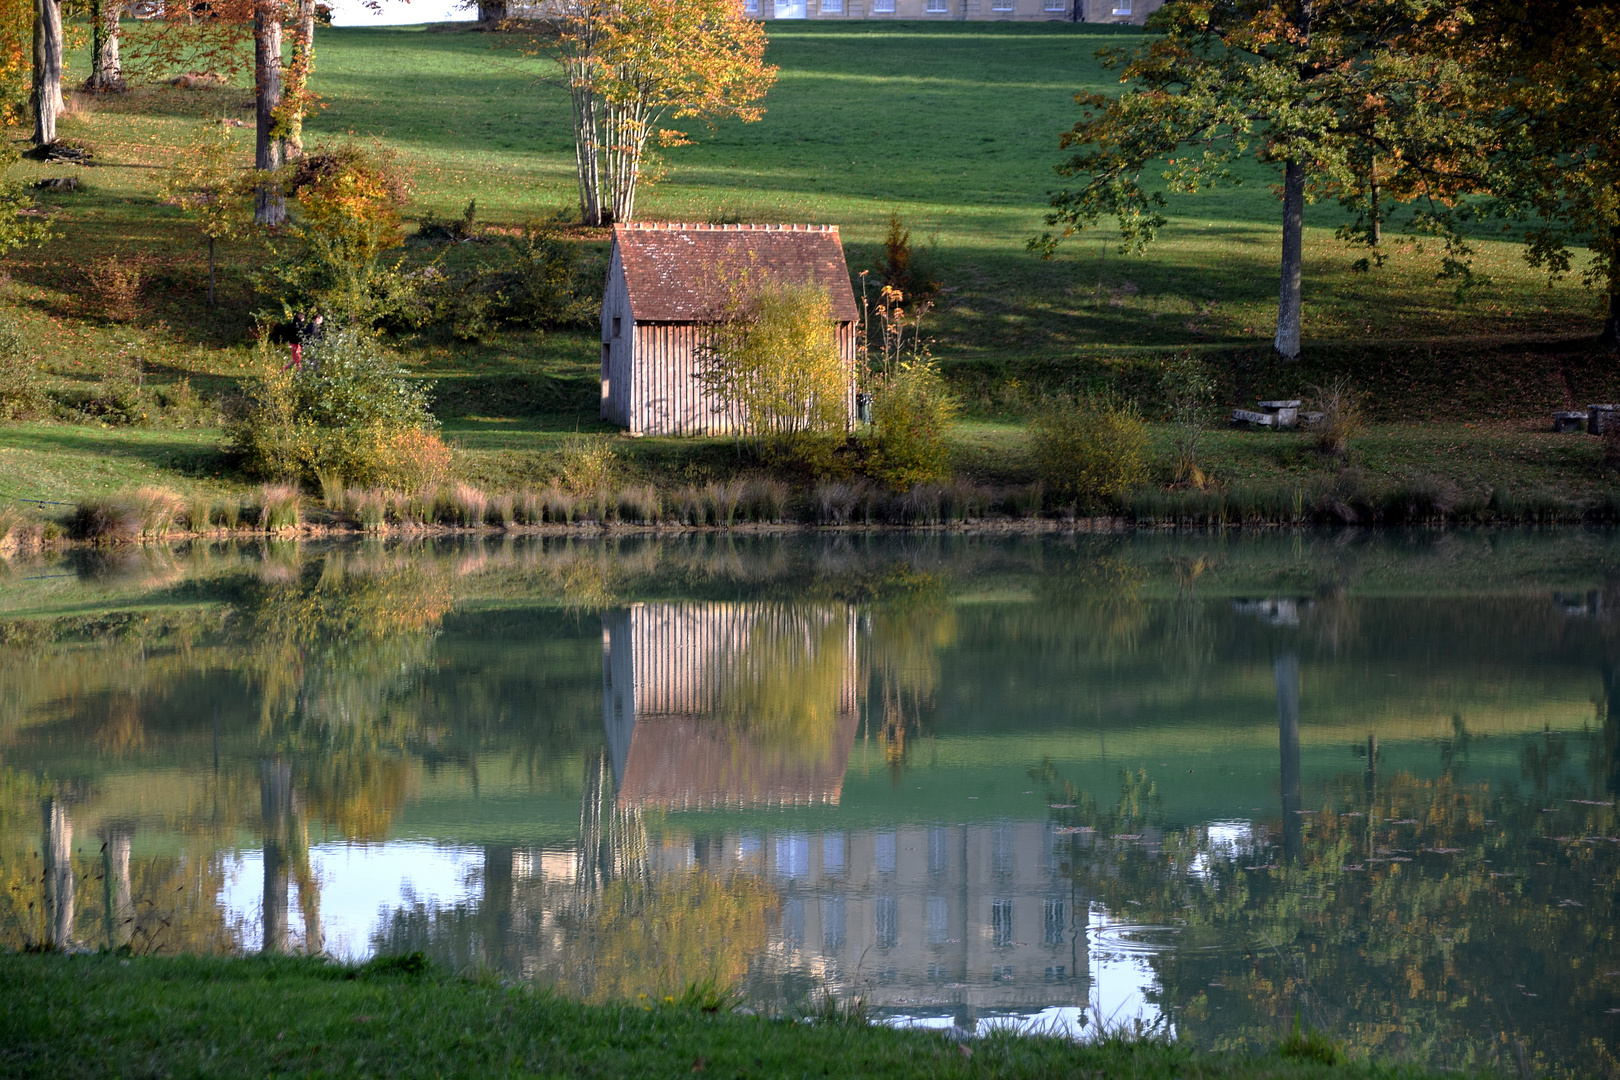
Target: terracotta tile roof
679	273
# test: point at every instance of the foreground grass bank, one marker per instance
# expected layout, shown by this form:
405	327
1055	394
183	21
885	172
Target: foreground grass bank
82	1016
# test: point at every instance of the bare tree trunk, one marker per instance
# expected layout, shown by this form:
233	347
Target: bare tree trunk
587	161
47	89
269	208
309	887
58	875
627	126
299	73
491	11
1611	325
115	875
275	807
1285	672
1375	229
106	73
1293	260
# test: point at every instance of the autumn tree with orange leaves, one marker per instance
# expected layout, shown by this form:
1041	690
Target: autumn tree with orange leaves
629	65
1349	99
15	70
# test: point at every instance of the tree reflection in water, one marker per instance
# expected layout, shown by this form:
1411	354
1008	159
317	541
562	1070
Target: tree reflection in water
1431	918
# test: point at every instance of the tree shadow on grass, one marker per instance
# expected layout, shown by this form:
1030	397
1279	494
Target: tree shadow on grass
187	459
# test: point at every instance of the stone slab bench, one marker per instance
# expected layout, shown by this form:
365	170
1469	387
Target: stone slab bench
1276	414
1566	422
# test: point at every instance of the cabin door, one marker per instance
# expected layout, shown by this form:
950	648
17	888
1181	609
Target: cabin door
791	9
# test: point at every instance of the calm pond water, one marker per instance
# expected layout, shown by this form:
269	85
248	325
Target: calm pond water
1207	782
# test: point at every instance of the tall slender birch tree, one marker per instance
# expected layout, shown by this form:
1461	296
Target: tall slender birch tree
1325	91
630	65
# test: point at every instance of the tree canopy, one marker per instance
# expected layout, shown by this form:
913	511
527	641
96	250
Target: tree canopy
1551	93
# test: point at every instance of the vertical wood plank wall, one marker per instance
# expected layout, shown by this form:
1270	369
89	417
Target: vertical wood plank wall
616	304
665	396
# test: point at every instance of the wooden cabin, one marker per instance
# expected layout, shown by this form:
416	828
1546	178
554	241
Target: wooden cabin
666	282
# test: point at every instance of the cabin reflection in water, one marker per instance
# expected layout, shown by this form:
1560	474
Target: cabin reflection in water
966	917
729	705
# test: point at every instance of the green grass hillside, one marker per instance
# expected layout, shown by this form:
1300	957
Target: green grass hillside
953	127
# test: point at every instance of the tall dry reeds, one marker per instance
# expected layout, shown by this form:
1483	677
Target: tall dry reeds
280	507
148	512
1340	421
18	532
462	505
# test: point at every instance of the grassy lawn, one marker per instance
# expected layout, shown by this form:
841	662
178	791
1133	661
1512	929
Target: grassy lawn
97	1016
954	127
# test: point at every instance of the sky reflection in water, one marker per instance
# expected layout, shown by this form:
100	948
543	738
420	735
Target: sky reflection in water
1204	783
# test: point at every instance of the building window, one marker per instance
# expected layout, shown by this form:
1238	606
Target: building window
883	852
1002	973
939	920
616	321
751	7
832	7
793	924
1056	921
1001	923
1001	5
939	849
883	7
1056	5
832	924
793	855
1001	851
832	853
886	916
1057	974
1122	7
936	7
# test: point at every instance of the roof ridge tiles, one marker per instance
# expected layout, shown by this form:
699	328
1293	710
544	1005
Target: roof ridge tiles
739	226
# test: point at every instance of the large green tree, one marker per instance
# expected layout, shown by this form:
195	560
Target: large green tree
1553	98
1347	99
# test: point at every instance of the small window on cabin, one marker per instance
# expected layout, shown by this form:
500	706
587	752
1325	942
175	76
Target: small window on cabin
607	354
616	320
